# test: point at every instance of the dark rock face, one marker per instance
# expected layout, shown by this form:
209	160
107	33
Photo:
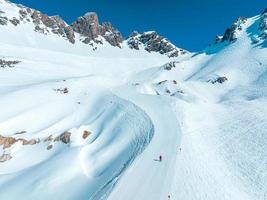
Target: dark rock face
43	23
169	66
263	25
7	142
154	43
89	27
8	63
55	23
3	20
218	80
231	33
15	21
65	137
112	35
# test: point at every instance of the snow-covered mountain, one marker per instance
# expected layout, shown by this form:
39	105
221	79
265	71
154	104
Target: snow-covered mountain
85	113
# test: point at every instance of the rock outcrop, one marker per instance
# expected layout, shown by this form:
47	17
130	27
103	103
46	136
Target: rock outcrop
89	30
219	79
232	32
7	142
170	65
8	63
64	137
263	25
86	134
152	42
89	27
44	23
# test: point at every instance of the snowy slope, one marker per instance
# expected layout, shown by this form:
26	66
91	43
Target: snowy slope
84	123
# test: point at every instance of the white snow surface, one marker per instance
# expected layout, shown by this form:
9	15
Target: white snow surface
212	137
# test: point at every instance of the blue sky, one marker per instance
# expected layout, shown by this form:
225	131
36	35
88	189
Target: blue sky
190	24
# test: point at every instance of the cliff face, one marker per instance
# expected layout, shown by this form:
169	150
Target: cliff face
88	26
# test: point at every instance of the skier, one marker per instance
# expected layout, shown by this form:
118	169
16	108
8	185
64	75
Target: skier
160	158
169	196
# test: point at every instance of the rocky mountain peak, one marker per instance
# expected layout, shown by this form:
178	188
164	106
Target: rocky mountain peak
88	26
153	42
231	33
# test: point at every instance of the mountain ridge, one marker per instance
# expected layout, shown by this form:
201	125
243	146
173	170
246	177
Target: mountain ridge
88	27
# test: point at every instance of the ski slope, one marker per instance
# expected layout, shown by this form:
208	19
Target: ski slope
78	123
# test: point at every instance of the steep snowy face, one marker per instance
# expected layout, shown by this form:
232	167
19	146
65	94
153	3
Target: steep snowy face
152	42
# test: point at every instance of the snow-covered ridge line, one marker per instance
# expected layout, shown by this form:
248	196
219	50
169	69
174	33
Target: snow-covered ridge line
86	29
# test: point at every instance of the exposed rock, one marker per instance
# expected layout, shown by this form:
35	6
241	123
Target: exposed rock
170	65
112	35
64	137
5	157
29	142
218	80
62	90
21	132
14	21
23	13
152	42
232	32
50	138
49	147
3	20
8	63
162	82
86	134
60	27
44	23
89	27
263	26
7	142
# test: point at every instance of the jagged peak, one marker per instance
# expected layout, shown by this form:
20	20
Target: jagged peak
153	42
86	28
90	28
231	34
